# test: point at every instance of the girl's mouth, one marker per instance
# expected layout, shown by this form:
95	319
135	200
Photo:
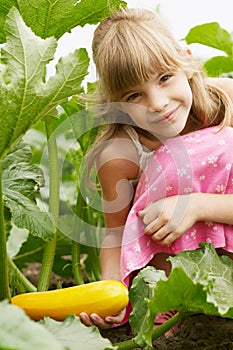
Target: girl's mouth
168	117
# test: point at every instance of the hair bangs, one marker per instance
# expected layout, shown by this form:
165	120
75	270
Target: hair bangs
136	55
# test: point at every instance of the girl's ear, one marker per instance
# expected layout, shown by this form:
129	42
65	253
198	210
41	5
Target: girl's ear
188	52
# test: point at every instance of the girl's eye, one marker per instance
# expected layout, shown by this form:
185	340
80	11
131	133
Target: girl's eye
165	77
133	96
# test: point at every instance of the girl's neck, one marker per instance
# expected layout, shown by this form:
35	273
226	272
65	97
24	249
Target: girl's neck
151	142
147	139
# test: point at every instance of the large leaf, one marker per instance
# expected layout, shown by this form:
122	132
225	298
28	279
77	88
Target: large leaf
56	17
18	332
74	335
211	34
24	96
214	274
200	282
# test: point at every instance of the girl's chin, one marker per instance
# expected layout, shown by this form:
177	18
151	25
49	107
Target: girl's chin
168	132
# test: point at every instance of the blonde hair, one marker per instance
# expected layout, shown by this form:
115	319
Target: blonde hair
130	46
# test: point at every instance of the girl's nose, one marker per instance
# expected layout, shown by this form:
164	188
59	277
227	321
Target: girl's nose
157	100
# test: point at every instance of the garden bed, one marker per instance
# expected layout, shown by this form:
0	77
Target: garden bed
200	332
195	332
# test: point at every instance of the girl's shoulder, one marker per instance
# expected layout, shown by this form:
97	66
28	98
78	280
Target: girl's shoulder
119	155
226	84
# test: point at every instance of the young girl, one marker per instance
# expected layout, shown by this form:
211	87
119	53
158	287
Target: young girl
174	119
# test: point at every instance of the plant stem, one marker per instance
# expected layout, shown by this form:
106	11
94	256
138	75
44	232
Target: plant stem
163	328
4	280
19	276
93	250
54	185
77	271
127	345
158	332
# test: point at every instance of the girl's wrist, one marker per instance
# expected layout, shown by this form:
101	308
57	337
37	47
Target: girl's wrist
213	207
201	205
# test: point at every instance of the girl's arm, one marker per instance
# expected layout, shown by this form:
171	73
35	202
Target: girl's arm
165	227
117	195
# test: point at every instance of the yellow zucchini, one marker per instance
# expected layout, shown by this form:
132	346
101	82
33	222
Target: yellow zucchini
104	298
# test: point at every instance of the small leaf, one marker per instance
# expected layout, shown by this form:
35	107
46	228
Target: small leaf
21	182
142	290
15	240
74	335
26	214
218	65
211	34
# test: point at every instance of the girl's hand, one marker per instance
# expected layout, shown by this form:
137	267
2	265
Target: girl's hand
96	320
169	218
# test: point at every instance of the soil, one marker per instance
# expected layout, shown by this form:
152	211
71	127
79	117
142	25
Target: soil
200	332
195	332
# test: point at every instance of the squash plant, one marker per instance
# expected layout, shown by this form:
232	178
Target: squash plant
200	282
29	32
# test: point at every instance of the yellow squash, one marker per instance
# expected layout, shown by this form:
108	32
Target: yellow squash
103	297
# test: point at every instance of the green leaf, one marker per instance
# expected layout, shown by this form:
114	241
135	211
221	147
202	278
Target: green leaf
32	250
56	17
200	282
15	240
26	214
142	290
24	96
214	273
74	335
18	332
21	182
5	6
211	34
19	174
218	65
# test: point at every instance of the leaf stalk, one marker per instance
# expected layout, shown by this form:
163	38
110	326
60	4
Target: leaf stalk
54	186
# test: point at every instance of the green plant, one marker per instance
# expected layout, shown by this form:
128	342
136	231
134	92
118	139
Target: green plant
26	98
29	100
200	282
213	35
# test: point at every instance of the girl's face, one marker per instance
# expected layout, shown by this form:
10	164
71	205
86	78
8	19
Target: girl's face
160	105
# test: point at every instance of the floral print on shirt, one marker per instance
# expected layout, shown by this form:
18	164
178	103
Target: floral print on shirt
200	161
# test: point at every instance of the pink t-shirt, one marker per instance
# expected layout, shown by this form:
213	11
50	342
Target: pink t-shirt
201	161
